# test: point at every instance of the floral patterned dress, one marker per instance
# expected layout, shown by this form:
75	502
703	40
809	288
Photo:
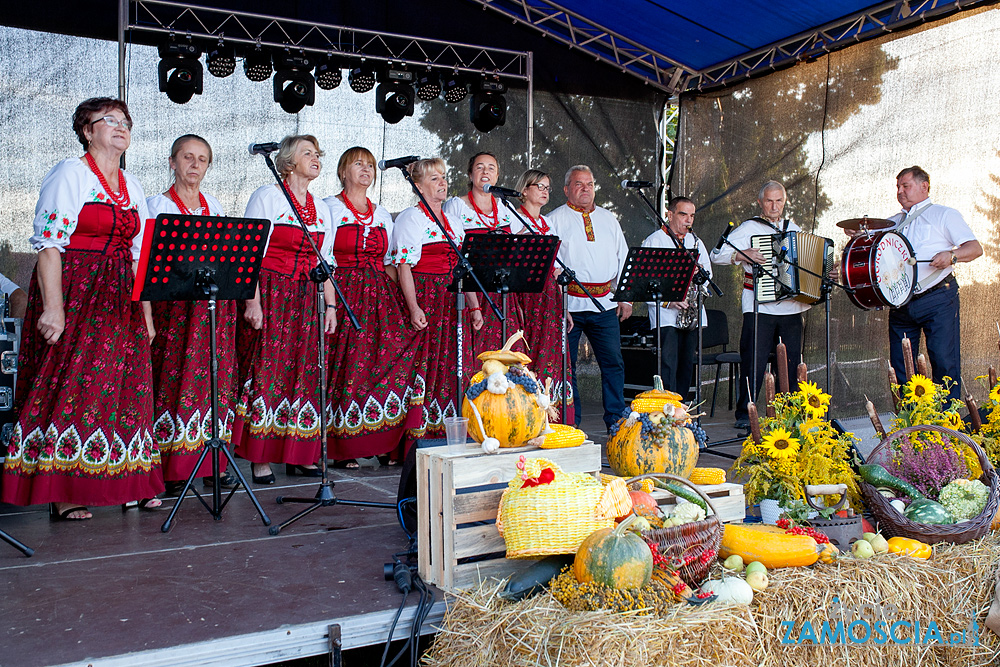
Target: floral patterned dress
419	242
182	393
278	419
85	404
498	220
376	389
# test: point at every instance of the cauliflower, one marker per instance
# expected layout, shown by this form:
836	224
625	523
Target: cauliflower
688	512
964	498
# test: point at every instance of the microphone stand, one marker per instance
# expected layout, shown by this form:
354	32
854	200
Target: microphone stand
461	270
565	277
701	277
325	496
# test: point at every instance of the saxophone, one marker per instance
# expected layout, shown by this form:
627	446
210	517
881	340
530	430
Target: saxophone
690	318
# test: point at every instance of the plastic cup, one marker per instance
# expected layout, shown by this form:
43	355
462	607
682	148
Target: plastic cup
456	430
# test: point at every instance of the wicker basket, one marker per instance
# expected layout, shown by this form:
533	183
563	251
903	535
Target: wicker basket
690	539
555	518
896	525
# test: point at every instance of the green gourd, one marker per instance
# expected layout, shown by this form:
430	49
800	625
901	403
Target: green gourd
876	475
928	511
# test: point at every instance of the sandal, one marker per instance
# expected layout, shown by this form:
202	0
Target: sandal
146	504
54	515
349	464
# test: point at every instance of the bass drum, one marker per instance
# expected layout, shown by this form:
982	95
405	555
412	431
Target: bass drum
880	269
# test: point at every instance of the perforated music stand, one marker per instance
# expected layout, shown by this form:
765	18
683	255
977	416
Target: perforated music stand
506	263
656	274
204	258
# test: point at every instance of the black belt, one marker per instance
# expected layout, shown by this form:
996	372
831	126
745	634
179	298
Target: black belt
947	282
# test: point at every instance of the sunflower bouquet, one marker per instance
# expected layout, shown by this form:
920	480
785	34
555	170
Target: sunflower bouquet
988	436
798	446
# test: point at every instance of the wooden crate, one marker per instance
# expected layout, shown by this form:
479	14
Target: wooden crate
728	499
459	495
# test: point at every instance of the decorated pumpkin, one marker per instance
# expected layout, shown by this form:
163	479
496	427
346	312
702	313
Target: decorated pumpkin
657	399
615	557
504	400
651	442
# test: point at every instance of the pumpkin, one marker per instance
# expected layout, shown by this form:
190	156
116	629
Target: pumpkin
768	544
615	557
828	553
643	503
729	590
508	400
904	546
656	399
636	449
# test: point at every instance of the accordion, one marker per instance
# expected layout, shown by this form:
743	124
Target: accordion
785	254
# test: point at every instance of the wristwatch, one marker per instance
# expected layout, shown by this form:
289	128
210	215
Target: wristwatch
954	258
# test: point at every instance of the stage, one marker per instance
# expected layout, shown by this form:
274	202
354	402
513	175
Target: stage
116	591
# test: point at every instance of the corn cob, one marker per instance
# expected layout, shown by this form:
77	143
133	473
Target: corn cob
708	476
563	436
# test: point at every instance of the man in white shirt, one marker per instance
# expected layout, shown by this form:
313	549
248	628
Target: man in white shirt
678	321
940	238
594	247
17	299
778	320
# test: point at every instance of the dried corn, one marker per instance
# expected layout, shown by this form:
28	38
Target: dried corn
707	476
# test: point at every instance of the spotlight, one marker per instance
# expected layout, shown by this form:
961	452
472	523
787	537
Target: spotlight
428	86
179	71
294	87
394	97
362	77
257	65
328	74
455	89
221	60
488	108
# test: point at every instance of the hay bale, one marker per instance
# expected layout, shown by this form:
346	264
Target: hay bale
956	586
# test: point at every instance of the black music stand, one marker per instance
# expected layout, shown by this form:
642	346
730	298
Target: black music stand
204	258
507	263
656	274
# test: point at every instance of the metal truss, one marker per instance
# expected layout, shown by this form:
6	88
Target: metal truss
211	24
673	77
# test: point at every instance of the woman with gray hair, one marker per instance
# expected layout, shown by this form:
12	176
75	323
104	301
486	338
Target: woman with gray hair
278	415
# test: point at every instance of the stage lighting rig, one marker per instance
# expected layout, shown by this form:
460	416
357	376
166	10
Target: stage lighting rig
428	85
221	60
361	77
328	74
257	64
294	86
394	96
179	71
455	88
488	108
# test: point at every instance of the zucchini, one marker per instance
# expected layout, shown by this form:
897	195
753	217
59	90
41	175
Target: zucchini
877	476
681	492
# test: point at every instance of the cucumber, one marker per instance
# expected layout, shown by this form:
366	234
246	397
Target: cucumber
534	578
681	492
876	475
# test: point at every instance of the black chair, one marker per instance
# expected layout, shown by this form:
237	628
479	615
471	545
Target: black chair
714	335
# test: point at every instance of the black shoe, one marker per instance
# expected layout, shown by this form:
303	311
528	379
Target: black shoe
266	479
292	470
174	488
226	481
743	423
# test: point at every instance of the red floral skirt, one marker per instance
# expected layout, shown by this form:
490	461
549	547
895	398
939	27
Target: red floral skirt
277	419
543	333
438	352
376	389
182	382
85	404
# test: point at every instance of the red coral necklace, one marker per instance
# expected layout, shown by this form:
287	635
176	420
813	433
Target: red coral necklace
121	197
182	207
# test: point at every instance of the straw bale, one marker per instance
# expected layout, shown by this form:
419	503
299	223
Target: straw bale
479	629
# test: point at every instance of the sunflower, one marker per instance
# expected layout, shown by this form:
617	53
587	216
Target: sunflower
953	421
995	395
920	389
815	400
779	444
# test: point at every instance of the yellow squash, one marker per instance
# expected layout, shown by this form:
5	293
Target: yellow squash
904	546
768	544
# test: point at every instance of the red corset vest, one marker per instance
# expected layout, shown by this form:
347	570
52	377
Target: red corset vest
289	252
105	229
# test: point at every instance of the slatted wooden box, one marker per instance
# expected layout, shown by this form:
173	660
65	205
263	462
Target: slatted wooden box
727	498
456	517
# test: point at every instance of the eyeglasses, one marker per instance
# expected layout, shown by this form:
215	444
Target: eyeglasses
111	121
543	188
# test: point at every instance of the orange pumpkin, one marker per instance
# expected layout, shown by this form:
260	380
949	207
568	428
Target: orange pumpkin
664	448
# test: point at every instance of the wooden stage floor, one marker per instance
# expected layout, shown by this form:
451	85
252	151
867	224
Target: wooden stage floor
117	591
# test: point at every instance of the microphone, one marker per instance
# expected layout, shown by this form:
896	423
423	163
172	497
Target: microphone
637	184
397	162
725	235
263	149
503	192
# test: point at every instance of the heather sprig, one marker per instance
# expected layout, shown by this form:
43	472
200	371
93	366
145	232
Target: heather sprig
927	463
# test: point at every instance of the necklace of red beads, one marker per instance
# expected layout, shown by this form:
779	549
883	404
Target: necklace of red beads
484	218
182	207
540	225
308	214
444	220
121	197
367	221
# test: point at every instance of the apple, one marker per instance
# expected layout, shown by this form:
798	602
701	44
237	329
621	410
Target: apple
862	549
757	580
